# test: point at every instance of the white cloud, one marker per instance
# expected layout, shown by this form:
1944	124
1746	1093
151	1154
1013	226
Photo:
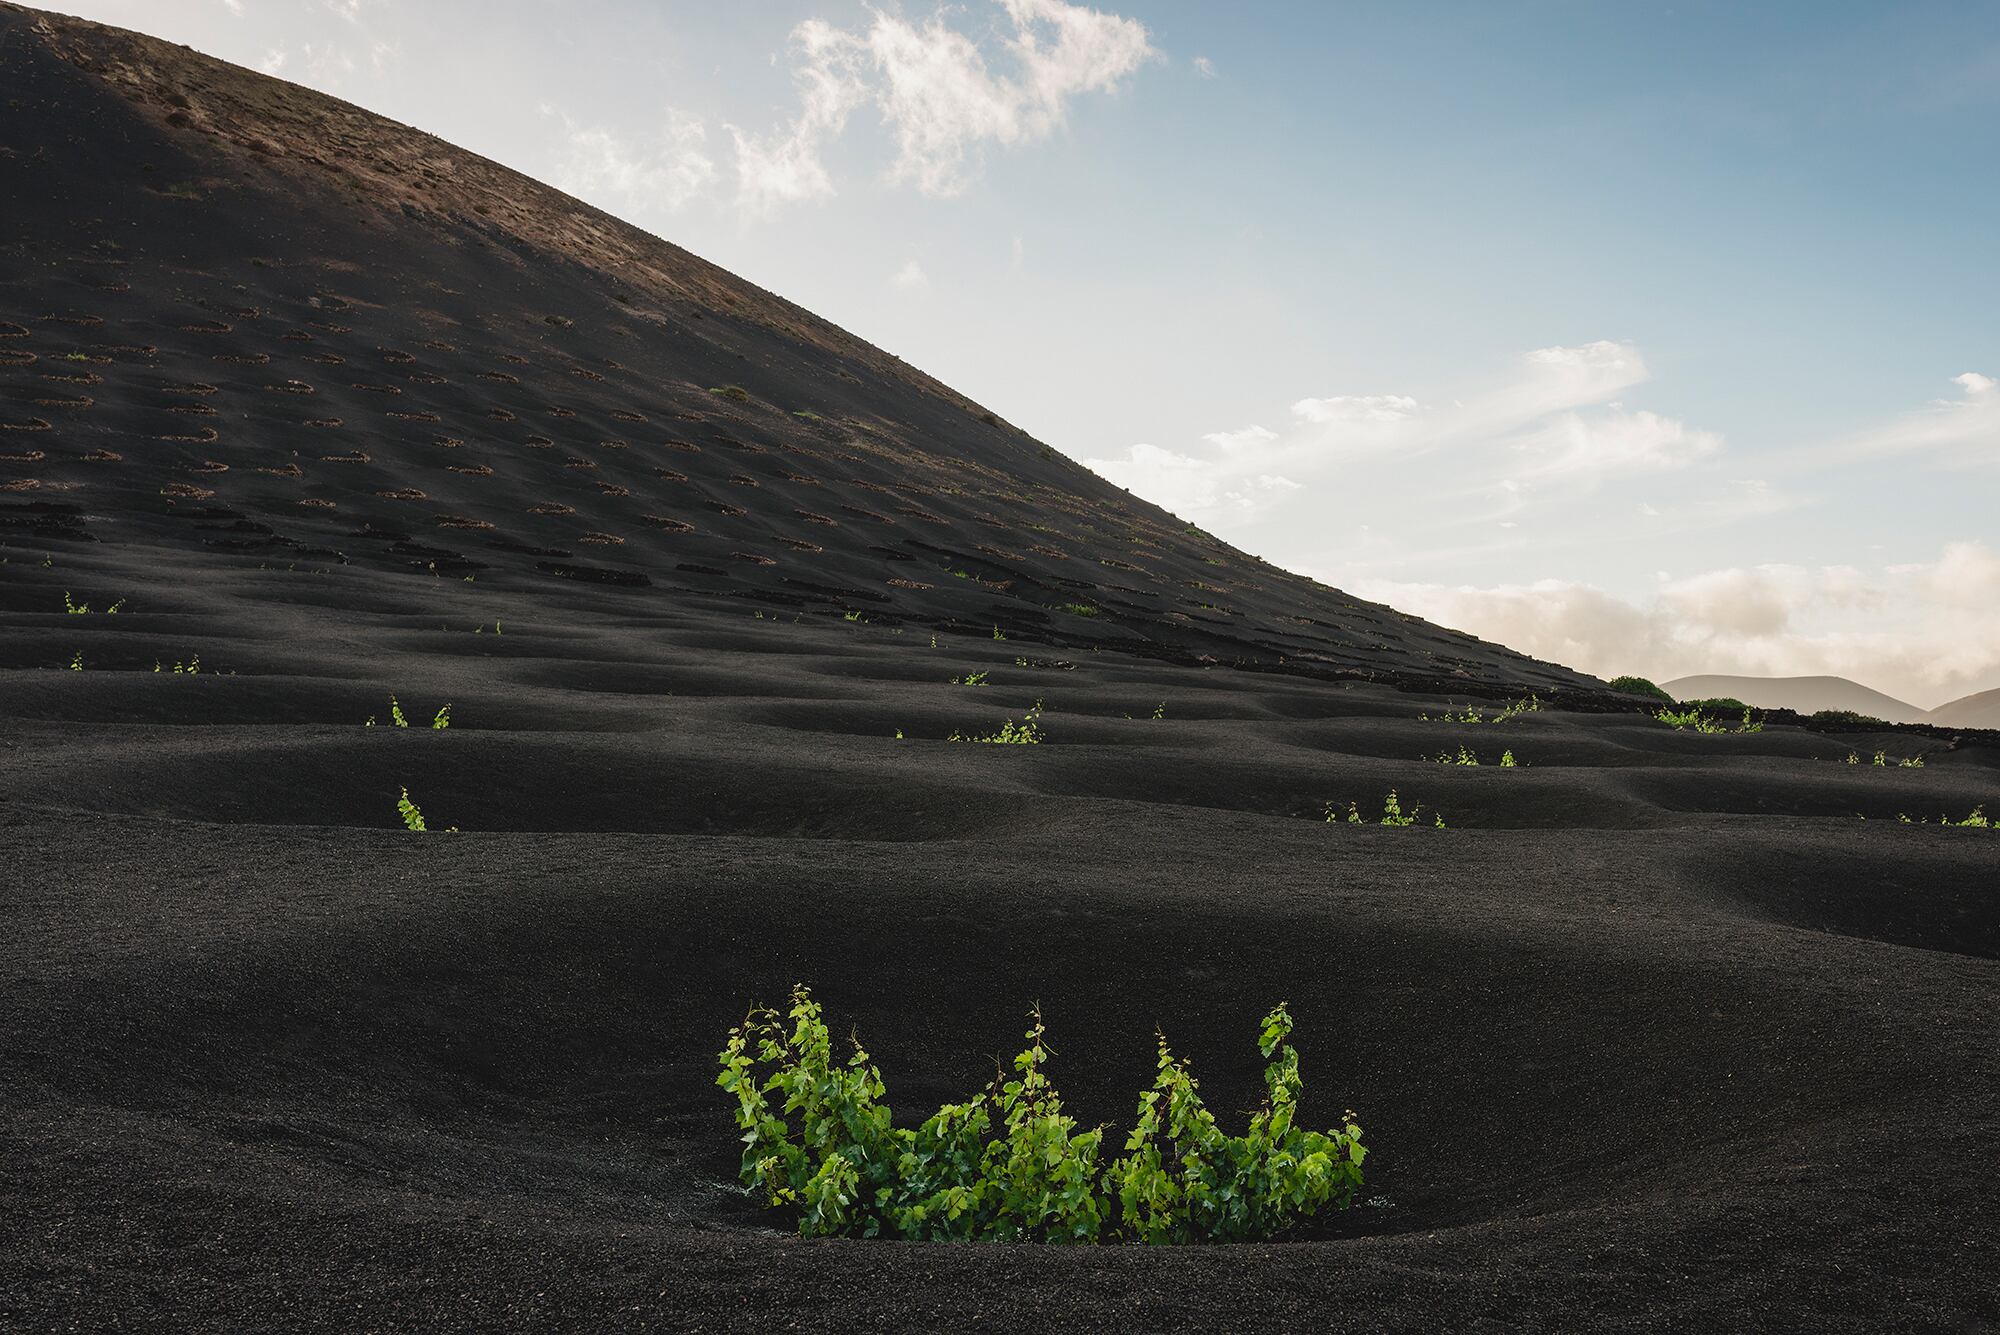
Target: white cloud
328	64
1356	408
784	167
1186	485
604	169
1248	438
937	95
910	278
1192	487
326	67
1968	575
1204	67
1551	426
1959	432
233	6
1925	632
1614	440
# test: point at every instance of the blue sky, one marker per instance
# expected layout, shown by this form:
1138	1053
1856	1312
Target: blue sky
1650	337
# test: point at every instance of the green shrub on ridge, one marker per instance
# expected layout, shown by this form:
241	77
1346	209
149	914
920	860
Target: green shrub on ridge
1640	686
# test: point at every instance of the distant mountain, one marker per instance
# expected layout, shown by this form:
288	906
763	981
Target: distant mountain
1806	695
1968	711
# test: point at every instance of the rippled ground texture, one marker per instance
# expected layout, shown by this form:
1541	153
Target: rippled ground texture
1663	1030
1657	1030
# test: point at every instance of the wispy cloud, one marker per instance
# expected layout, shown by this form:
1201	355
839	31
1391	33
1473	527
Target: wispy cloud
910	278
936	92
344	37
1960	431
1553	419
667	172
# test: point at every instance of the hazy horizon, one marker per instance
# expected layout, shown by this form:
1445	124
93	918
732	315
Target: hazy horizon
1643	340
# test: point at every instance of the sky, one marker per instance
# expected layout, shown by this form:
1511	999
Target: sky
1655	338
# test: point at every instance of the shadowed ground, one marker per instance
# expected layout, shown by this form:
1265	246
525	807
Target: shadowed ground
1656	1031
1664	1031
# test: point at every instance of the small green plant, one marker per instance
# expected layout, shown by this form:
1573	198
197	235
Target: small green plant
76	663
413	817
1079	609
1681	719
1692	717
1010	1165
1640	686
997	635
112	610
442	719
1910	762
75	609
1160	711
1717	704
1392	813
396	714
734	392
850	616
1183	1180
190	668
1025	733
1978	820
1467	756
1472	714
971	679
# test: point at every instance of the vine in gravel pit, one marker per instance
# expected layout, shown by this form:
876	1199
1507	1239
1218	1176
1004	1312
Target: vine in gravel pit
1010	1165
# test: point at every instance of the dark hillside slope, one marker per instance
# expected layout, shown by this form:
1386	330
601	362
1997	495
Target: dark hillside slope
1650	1027
239	314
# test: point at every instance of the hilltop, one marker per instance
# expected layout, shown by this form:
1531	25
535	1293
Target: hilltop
252	319
1979	710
